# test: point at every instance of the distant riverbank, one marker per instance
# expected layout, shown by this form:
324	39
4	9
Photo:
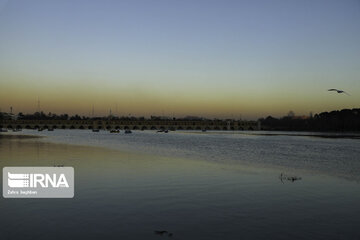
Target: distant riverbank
18	136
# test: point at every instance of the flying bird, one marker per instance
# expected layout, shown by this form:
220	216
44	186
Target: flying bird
338	91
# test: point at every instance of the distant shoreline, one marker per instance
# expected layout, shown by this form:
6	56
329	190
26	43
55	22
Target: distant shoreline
351	136
271	133
332	135
11	136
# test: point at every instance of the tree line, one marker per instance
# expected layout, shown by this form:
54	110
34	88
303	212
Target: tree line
343	120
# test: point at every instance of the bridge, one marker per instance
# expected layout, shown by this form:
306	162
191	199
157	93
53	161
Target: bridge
173	125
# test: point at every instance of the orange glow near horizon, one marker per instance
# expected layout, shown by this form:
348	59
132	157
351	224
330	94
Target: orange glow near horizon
212	103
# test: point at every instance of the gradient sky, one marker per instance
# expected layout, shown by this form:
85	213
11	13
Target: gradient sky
206	58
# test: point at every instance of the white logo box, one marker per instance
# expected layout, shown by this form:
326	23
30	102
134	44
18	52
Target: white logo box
38	182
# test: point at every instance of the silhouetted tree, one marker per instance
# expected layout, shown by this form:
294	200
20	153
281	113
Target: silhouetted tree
344	120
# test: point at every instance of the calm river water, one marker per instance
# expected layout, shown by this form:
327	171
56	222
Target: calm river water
213	185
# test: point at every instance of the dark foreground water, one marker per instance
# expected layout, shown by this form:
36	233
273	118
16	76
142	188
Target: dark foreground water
197	186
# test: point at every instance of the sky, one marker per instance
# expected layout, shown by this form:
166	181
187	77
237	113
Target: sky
239	59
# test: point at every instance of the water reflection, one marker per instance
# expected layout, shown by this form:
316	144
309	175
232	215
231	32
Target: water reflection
124	195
